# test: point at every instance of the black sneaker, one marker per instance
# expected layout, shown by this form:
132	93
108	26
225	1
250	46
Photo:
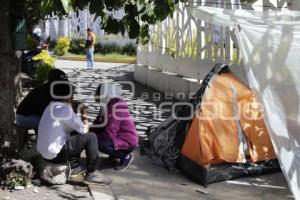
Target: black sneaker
124	164
109	160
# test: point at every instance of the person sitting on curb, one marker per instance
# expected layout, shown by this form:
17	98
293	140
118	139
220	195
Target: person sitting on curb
55	142
119	136
30	110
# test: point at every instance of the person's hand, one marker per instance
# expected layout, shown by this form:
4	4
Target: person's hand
83	109
83	112
84	116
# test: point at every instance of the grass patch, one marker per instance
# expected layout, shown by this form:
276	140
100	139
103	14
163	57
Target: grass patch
114	57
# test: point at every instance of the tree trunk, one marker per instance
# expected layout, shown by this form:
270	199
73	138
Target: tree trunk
9	82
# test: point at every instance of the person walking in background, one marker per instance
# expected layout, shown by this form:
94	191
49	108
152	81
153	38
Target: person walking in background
90	47
119	136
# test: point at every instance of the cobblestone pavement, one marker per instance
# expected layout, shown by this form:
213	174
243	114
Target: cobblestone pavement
142	180
143	102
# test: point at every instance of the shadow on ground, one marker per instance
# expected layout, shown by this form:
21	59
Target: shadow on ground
145	181
142	180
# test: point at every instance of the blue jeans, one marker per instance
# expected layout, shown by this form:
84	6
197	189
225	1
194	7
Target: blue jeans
90	58
31	121
107	147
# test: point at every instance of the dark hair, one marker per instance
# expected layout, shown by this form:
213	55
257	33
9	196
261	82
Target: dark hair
57	75
98	90
62	90
89	29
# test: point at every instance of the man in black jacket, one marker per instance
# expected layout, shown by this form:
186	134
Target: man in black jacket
31	108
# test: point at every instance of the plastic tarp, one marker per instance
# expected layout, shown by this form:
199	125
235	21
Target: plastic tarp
270	46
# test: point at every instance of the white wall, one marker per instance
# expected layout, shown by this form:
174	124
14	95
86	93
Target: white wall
198	45
76	24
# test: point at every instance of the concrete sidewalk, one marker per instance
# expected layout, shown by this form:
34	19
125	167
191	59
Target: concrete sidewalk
145	181
142	180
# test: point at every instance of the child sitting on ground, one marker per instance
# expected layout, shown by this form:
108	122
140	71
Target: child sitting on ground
118	138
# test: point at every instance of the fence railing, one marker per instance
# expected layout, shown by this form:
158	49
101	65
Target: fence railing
190	47
75	26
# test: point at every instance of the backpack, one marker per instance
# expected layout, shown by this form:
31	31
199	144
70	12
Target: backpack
163	151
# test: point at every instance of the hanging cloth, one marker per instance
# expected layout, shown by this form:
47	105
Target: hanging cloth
270	45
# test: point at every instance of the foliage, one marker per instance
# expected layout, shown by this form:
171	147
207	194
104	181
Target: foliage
139	14
42	70
77	46
62	46
15	173
129	49
31	43
107	48
34	10
15	179
44	63
45	57
51	44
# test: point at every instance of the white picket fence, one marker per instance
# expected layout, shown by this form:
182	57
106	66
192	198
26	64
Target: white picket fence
189	47
76	24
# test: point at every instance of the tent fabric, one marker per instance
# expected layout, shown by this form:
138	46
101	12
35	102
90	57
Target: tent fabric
269	43
221	89
214	132
225	171
166	140
241	144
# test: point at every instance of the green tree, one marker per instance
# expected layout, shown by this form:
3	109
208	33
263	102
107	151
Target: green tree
139	15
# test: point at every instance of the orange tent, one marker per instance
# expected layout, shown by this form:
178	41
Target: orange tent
226	137
228	127
228	111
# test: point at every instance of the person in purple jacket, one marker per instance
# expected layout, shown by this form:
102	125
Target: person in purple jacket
118	138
